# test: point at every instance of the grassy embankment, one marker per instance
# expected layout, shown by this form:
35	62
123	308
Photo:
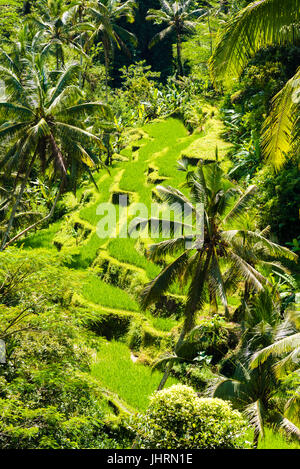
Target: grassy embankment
161	145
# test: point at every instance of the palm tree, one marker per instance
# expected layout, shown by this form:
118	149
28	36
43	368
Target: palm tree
256	389
261	24
257	394
105	16
202	259
75	16
288	350
180	18
17	49
54	32
286	347
257	255
44	121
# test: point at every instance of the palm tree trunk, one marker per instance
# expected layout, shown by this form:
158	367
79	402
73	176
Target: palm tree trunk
164	378
179	60
245	297
15	207
213	303
58	155
189	315
81	61
106	58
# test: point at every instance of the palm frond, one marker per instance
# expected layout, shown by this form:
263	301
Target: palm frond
12	82
11	110
289	427
168	358
249	273
174	197
87	109
280	124
273	249
256	26
254	412
9	130
153	290
161	35
241	204
64	99
76	132
163	227
226	389
159	251
280	347
68	77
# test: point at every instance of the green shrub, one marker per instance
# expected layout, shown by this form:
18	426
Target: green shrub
22	427
278	200
177	419
47	397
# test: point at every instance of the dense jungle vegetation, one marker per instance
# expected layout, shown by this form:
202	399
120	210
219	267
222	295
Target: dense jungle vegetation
149	341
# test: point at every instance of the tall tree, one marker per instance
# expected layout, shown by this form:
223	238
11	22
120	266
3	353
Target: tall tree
180	17
75	15
287	349
105	27
205	265
53	31
257	389
43	121
261	24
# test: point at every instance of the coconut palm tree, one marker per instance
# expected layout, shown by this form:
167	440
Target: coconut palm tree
257	394
256	389
104	26
285	352
261	24
180	17
200	260
257	255
54	32
75	16
286	348
44	122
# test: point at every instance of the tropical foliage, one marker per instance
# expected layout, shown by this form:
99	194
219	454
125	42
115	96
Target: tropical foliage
44	122
259	25
180	18
200	423
149	224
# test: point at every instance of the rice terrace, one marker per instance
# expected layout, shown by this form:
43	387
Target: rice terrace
149	226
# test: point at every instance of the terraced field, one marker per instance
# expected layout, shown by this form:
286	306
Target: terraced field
112	270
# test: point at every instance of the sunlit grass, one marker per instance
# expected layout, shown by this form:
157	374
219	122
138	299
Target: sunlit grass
276	440
124	250
133	382
99	292
42	238
164	324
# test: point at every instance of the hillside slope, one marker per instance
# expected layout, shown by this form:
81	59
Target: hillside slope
111	271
